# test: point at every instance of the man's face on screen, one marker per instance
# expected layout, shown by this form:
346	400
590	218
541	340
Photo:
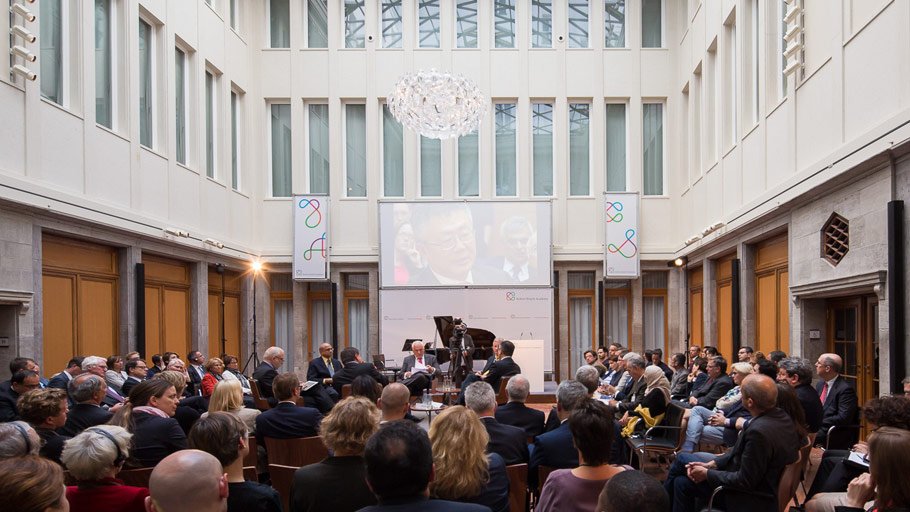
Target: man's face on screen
449	245
517	246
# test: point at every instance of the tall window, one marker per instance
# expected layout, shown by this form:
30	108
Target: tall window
355	155
695	130
466	24
617	297
653	149
506	163
651	24
578	23
279	24
281	150
281	295
319	148
614	23
728	72
541	24
354	23
392	155
146	98
357	312
710	100
542	135
104	100
750	68
430	167
180	117
468	165
235	14
428	29
317	24
616	147
235	140
504	23
319	309
654	310
390	21
211	92
579	148
50	37
581	316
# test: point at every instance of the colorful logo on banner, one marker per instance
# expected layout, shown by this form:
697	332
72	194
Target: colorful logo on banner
310	238
510	296
621	258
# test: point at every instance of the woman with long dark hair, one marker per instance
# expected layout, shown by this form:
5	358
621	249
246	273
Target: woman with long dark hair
149	416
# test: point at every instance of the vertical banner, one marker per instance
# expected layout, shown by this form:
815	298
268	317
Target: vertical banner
621	257
311	245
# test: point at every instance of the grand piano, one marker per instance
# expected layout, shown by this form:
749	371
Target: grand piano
445	325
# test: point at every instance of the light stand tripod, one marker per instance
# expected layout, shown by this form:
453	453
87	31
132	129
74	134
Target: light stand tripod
254	355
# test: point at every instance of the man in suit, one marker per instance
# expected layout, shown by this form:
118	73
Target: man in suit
508	441
516	235
266	373
88	391
418	369
27	363
196	371
187	480
505	367
62	379
394	403
287	420
354	367
630	396
497	355
657	359
717	385
136	371
21	381
98	365
767	444
797	372
323	368
555	448
399	468
839	402
516	413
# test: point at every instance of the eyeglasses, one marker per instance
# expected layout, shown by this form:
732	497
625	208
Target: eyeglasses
449	243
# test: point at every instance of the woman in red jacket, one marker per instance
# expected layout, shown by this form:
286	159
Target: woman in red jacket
94	458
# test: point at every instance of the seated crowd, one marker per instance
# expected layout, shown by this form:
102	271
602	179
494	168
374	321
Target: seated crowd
194	439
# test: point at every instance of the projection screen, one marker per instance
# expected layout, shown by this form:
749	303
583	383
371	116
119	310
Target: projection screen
459	244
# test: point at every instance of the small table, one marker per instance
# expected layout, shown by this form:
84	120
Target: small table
429	409
446	394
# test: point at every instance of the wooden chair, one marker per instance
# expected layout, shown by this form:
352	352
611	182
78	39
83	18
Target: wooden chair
295	452
345	391
136	477
502	396
543	472
251	461
282	478
518	487
261	403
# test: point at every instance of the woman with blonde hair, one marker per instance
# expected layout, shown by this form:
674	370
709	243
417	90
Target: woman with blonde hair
214	368
463	470
885	483
228	397
32	484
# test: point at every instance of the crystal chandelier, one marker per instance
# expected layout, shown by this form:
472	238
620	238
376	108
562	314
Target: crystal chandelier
437	105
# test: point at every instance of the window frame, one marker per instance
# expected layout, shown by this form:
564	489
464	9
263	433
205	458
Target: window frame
663	103
552	104
418	18
271	169
590	104
628	170
344	156
515	167
383	108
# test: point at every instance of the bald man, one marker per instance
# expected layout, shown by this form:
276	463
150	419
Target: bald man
188	480
394	402
767	444
839	403
323	368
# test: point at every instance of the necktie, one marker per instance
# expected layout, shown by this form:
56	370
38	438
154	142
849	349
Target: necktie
420	361
331	368
824	392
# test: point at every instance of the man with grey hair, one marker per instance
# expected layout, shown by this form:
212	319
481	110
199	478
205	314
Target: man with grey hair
516	413
634	389
797	372
517	235
87	390
508	441
555	448
188	480
97	366
590	378
418	369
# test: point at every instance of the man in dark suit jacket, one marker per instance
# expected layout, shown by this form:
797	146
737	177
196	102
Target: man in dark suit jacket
717	385
505	367
195	360
797	372
323	368
840	404
62	379
767	444
516	413
555	448
354	367
136	371
508	441
418	369
266	373
497	354
88	391
287	420
19	383
399	464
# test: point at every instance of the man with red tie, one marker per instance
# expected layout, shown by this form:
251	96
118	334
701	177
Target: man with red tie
418	369
838	401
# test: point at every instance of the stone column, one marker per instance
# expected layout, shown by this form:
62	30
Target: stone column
636	337
747	294
199	310
301	326
709	303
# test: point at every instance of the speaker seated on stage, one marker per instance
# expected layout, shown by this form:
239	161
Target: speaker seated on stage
418	369
504	367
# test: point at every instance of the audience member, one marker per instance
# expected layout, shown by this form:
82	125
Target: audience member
286	420
698	375
589	376
224	436
232	372
504	367
507	441
577	490
21	382
628	398
62	379
366	386
214	368
98	365
323	368
339	482
840	404
554	448
465	470
93	458
797	372
679	385
886	483
766	367
353	366
653	404
196	371
729	407
157	366
715	387
394	402
265	373
633	491
87	391
189	480
745	354
32	484
228	397
18	438
657	360
515	412
114	374
776	355
136	372
419	369
149	417
45	410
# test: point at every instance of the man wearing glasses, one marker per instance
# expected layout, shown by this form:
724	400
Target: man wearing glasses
21	382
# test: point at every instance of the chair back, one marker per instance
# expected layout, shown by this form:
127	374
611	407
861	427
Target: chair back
789	481
673	418
282	478
261	403
502	396
345	391
252	457
543	472
136	477
518	487
295	452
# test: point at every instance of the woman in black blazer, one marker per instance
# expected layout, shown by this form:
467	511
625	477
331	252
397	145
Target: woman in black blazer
149	417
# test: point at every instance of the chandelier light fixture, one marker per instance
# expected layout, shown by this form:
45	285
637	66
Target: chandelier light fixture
437	105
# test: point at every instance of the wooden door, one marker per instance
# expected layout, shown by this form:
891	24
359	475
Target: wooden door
852	334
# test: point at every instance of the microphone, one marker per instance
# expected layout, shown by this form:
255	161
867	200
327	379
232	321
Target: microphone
520	335
532	334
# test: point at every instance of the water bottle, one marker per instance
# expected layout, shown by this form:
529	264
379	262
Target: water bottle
426	397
